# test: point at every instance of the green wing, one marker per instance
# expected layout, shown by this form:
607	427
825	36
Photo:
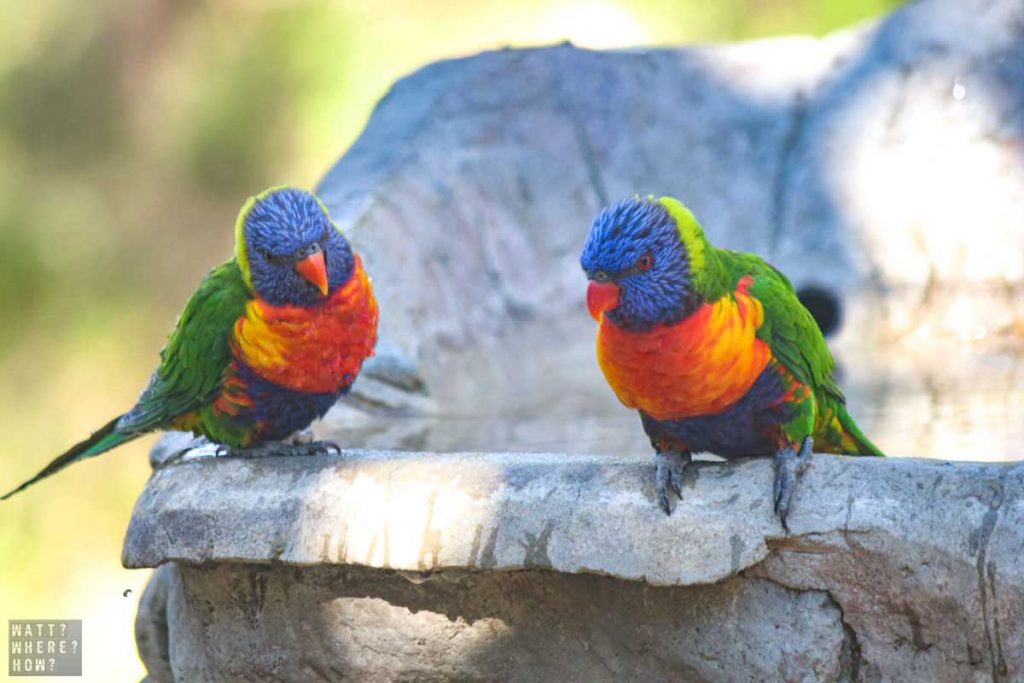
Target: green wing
797	342
197	353
189	376
789	329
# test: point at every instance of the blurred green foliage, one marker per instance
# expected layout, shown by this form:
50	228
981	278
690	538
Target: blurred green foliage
130	134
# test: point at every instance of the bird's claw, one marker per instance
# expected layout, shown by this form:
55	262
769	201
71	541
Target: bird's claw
669	476
323	448
172	459
789	466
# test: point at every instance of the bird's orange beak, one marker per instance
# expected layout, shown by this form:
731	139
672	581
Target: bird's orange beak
602	297
314	269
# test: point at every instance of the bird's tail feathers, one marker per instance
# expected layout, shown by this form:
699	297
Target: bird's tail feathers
853	440
105	438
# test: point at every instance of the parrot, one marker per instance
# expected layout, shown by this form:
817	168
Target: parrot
266	344
712	347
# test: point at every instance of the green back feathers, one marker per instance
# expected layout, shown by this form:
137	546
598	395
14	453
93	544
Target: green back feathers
191	371
197	352
792	333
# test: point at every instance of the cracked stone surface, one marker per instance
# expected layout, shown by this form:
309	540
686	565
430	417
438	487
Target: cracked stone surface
416	565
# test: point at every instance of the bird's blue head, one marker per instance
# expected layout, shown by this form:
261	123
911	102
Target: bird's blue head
638	266
289	250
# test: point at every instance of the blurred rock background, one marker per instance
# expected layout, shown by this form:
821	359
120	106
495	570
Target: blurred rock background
130	134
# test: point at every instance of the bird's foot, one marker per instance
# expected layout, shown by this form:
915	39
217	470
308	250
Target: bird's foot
181	447
317	448
669	476
172	459
281	448
789	466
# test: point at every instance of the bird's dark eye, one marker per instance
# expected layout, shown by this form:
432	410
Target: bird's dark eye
645	262
271	257
600	276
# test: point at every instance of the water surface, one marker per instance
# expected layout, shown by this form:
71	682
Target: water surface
956	404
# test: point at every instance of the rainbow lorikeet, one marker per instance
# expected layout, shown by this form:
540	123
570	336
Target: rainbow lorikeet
711	346
266	345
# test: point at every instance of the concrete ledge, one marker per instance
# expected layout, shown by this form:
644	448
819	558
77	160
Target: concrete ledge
425	512
569	513
912	565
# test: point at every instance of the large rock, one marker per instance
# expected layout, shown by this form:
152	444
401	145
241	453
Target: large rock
378	565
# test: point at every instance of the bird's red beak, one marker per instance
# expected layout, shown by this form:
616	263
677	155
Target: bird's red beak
602	297
314	269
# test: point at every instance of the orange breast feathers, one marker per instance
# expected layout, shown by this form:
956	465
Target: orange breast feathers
699	366
316	350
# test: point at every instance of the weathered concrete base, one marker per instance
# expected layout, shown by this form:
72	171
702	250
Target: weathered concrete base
338	623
